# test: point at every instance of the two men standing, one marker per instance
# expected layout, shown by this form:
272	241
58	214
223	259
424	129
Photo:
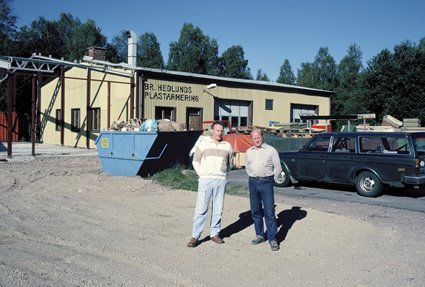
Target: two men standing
212	162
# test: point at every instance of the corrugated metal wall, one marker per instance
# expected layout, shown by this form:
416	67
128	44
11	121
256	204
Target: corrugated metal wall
3	127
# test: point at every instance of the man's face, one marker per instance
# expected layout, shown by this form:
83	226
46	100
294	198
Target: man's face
217	133
257	138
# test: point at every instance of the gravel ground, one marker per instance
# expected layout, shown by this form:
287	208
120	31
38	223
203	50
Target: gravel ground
64	223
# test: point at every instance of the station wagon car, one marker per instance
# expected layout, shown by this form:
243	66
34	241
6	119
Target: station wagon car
368	160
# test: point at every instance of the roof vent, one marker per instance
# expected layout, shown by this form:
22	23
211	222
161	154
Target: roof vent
132	48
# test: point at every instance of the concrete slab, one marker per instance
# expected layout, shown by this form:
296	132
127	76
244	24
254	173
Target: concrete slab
21	151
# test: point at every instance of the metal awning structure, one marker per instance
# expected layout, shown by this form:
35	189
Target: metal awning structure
38	66
41	64
339	117
26	64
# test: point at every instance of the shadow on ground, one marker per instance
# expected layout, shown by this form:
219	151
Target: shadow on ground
285	220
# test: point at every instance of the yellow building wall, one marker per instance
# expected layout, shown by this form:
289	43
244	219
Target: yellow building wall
157	93
183	95
75	98
281	103
179	95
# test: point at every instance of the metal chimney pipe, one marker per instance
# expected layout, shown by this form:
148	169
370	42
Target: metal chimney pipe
132	48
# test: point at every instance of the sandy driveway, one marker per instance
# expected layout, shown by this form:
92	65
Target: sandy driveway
64	223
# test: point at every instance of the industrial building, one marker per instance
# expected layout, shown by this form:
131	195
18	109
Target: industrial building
120	93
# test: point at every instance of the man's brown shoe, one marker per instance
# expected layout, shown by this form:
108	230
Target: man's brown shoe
193	242
217	239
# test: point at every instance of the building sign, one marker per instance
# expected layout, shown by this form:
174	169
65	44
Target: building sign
170	92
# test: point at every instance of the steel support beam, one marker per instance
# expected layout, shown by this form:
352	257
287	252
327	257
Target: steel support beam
33	107
10	91
88	109
62	115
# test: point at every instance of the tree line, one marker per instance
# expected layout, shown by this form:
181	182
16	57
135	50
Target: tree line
392	83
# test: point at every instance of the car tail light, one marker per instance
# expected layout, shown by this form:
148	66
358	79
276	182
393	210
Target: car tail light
420	163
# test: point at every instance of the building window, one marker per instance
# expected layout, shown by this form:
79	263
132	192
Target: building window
165	113
235	122
269	104
58	120
234	110
75	120
244	121
95	120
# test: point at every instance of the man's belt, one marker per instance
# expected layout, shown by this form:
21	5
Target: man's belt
262	177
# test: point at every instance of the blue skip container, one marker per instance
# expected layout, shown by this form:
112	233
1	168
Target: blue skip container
131	153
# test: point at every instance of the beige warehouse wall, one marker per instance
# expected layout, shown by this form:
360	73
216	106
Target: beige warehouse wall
179	95
157	93
183	95
281	103
75	98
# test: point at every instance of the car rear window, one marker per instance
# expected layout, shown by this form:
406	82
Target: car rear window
419	143
384	145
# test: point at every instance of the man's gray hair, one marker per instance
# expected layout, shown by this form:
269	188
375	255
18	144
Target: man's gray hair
257	130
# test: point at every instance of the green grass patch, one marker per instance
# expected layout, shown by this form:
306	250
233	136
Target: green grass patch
177	178
186	179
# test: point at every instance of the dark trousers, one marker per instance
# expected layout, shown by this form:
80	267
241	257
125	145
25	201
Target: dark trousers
261	196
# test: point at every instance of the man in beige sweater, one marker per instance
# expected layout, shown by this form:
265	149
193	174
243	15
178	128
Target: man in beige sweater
212	162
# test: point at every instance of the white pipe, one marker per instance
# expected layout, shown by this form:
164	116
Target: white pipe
132	48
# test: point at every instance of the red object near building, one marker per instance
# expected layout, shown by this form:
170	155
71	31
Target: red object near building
239	142
3	127
327	128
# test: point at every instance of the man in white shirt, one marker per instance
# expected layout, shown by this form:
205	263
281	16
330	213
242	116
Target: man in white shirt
212	162
262	164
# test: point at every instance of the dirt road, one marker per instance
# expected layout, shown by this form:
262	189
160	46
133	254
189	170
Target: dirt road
64	223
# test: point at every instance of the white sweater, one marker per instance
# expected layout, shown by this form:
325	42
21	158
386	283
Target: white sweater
212	160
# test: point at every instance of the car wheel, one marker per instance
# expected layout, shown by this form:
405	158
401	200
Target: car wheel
283	179
368	184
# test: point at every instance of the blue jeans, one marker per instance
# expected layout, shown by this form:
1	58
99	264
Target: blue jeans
261	196
209	188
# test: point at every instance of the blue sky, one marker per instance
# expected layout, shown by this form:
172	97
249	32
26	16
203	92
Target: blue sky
269	31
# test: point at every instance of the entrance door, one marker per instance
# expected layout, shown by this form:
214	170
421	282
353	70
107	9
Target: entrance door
194	118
